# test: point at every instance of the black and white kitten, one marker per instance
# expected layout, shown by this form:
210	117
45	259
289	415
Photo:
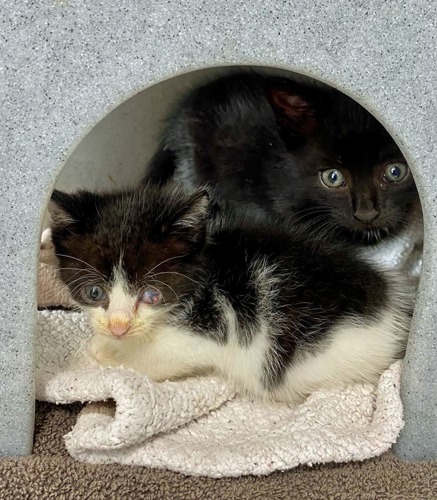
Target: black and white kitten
291	149
173	291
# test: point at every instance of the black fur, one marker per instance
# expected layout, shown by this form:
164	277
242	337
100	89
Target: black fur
261	142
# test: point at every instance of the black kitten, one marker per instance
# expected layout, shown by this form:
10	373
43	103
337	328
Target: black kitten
292	149
172	291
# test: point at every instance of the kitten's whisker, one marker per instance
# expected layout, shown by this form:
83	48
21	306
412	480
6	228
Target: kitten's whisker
84	272
178	273
81	284
309	226
164	261
309	211
91	279
167	285
85	275
80	349
331	231
327	230
60	349
83	262
73	269
307	215
67	353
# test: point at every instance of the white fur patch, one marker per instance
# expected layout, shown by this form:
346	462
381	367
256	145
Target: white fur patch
243	365
353	353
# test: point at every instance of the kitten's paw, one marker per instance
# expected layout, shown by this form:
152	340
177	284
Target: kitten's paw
101	353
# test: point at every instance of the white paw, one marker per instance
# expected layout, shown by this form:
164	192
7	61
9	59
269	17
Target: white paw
100	352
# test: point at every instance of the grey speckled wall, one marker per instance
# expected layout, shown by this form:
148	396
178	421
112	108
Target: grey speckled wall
67	63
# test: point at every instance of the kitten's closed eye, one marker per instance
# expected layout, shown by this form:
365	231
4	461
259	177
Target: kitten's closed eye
151	297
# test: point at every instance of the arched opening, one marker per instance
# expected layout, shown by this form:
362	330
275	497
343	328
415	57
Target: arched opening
116	151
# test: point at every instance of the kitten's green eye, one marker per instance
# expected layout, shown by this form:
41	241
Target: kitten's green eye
395	172
332	178
95	293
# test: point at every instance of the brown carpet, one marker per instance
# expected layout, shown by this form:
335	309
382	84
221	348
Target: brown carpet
51	474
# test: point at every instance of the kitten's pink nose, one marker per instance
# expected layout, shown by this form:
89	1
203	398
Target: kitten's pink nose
119	329
119	323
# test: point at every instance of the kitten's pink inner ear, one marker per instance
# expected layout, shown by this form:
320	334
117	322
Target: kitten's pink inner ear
300	114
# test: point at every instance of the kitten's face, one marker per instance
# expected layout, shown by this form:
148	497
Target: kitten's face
129	259
363	189
350	180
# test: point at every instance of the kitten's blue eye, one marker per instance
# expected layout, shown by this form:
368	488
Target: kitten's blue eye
395	172
332	178
95	293
150	297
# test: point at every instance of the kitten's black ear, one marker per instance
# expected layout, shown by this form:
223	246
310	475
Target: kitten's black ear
293	110
61	209
196	212
188	222
79	209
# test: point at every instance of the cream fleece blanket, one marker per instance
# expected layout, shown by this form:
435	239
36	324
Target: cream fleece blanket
198	426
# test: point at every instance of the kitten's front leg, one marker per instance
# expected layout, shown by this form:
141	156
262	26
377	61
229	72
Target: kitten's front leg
101	352
169	354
